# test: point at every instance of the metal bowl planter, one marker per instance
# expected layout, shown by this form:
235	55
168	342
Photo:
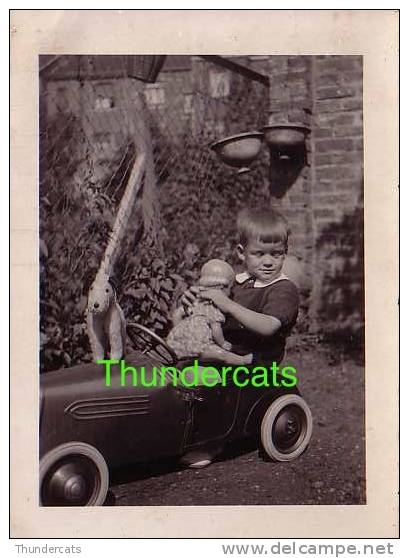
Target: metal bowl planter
284	138
285	134
239	150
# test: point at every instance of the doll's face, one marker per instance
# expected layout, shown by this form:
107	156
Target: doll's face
226	289
222	286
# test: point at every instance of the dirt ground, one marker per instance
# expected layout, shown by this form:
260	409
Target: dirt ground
331	471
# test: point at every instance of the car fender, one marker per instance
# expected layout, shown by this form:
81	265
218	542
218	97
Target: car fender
125	424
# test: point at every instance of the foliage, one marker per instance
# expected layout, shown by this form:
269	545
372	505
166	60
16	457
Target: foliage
77	212
199	198
200	203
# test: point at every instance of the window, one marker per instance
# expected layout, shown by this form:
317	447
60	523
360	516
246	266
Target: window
154	95
219	84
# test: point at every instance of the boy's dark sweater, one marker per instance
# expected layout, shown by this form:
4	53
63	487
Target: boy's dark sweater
281	300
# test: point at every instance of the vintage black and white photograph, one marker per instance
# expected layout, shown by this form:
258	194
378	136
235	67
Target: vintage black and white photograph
204	289
203	207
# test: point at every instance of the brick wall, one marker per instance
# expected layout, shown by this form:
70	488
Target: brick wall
337	195
324	205
290	101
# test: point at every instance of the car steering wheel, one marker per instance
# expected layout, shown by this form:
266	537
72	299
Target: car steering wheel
145	340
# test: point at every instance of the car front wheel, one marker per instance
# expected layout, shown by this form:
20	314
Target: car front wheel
73	474
286	428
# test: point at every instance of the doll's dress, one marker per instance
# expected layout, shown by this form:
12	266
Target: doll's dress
191	336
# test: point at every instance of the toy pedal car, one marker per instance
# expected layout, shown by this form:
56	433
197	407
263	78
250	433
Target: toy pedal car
87	428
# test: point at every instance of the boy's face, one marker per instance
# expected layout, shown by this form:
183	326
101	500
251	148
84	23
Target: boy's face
262	260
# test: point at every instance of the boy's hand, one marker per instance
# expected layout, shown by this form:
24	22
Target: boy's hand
218	298
189	297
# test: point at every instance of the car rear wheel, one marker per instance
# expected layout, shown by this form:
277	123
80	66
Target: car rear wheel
286	428
73	474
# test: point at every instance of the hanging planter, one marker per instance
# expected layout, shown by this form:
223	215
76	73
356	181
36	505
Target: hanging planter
239	150
284	137
288	154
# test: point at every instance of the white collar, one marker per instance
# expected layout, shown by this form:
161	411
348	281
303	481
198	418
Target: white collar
242	277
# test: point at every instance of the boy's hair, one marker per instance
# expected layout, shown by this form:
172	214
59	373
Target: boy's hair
265	225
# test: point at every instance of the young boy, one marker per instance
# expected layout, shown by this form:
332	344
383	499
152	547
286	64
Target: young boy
264	302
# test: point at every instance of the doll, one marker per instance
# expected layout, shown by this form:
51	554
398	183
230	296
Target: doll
199	334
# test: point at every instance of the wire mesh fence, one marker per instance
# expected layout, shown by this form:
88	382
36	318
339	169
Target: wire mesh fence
94	120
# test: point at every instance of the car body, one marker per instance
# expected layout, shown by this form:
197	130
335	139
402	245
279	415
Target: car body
87	428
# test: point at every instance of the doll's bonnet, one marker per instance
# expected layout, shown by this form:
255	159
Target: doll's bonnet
215	273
